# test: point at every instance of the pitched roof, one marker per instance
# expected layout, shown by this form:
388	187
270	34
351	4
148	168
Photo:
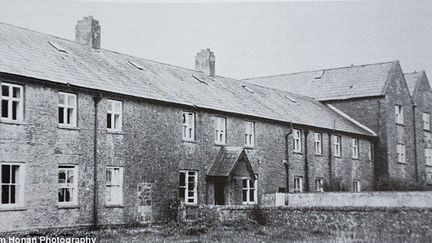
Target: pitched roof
412	80
226	161
333	84
32	54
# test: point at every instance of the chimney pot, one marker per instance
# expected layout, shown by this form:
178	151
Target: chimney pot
205	62
88	32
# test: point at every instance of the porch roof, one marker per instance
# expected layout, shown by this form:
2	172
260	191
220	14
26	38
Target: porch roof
227	160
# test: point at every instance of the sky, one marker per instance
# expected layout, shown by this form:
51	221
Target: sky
250	39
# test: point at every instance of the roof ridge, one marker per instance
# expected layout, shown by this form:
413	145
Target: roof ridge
324	69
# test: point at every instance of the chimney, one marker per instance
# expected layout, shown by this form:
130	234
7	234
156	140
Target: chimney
87	32
205	62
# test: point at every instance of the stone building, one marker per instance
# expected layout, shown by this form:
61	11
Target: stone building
381	97
95	137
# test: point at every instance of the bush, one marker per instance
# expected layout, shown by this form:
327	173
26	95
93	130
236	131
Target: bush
170	209
259	215
335	185
395	184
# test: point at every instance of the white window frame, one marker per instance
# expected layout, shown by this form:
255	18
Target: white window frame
298	184
428	156
337	143
115	111
426	121
248	189
189	200
356	186
74	185
249	134
318	138
399	114
220	130
188	128
355	148
10	99
66	106
19	182
401	152
297	140
319	185
114	187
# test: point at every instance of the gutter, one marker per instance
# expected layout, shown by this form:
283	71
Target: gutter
95	164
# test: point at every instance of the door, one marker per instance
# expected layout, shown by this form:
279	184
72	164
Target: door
219	192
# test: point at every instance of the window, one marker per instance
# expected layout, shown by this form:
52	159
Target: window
297	140
428	156
370	150
426	121
298	184
250	134
220	129
12	184
67	185
188	186
399	116
67	109
318	143
356	186
401	153
114	185
355	148
249	191
319	182
337	142
188	131
114	115
12	102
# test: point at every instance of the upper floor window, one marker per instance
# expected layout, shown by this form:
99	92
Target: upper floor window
249	191
67	185
319	185
318	143
12	102
399	115
355	148
188	132
356	186
426	121
428	156
400	149
220	130
11	184
337	142
250	134
298	184
188	180
297	140
67	109
114	115
114	185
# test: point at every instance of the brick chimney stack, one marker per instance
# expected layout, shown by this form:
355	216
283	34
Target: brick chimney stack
87	32
205	62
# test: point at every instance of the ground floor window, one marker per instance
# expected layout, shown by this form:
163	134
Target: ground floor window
68	185
319	185
249	191
12	184
188	180
114	186
356	186
298	184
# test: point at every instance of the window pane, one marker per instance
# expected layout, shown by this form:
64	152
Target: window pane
16	92
62	176
245	182
117	107
68	194
109	125
70	178
184	118
69	115
108	196
5	108
61	115
252	195
71	100
61	99
61	195
15	170
5	174
116	121
5	194
5	90
12	194
108	176
14	109
244	195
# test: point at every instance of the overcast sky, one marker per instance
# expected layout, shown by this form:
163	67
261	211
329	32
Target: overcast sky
249	39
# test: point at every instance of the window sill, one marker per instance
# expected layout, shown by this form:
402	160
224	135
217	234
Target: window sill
337	156
110	131
401	163
428	165
355	158
400	124
319	155
189	141
114	206
12	208
68	206
298	152
68	127
12	122
220	144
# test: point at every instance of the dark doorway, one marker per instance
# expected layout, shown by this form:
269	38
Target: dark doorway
219	192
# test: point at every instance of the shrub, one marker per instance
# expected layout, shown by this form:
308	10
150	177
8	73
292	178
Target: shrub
170	209
335	185
396	184
259	215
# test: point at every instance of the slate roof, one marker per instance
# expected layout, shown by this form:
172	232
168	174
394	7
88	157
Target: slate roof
412	80
333	84
226	161
32	54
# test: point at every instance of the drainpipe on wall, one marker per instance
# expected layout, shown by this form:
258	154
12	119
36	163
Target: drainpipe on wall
306	168
286	161
415	145
330	157
95	164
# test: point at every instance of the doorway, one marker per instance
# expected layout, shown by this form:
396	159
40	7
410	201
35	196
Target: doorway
219	190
